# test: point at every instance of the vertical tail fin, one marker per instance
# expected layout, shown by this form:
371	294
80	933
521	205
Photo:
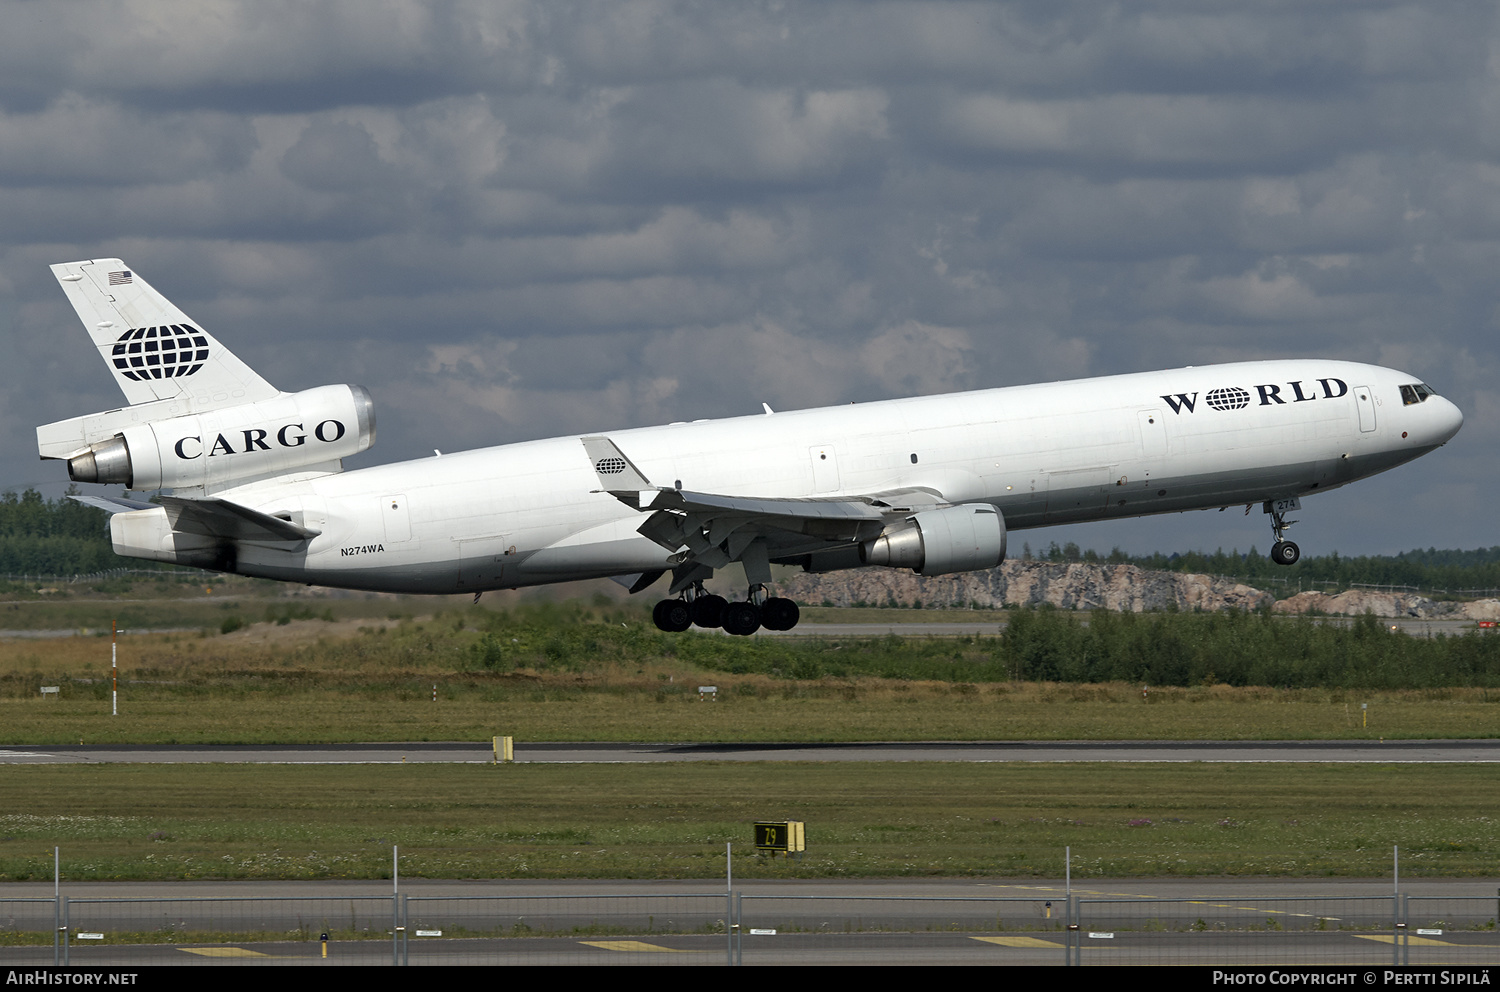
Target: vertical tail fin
154	351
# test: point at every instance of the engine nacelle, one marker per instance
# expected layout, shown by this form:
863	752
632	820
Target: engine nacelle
963	538
234	444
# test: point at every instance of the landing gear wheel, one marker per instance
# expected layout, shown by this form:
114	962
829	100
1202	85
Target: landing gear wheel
1285	553
672	615
777	613
741	619
708	611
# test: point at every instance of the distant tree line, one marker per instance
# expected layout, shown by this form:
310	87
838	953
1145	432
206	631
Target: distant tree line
1239	648
1038	645
1431	569
64	537
52	537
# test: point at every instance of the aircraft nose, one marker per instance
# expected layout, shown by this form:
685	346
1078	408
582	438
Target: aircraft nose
1448	418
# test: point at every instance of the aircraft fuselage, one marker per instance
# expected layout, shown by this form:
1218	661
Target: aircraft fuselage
1063	452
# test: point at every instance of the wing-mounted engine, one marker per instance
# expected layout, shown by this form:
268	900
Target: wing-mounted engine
217	448
963	538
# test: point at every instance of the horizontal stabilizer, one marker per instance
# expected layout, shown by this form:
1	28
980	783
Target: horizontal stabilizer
228	521
111	504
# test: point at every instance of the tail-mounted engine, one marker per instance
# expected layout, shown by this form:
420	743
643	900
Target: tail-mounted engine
218	448
961	538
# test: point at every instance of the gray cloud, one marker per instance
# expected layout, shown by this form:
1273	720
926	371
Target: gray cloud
514	219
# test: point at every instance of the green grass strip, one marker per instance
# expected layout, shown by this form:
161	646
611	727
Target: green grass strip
673	820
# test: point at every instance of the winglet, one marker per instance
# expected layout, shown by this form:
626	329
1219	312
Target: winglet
618	475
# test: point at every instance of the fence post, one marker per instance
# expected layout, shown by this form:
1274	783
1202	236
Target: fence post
396	928
1070	931
1406	929
404	931
1398	931
729	905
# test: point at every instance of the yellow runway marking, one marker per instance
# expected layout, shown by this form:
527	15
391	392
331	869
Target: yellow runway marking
628	945
1259	909
223	952
1099	893
1019	942
1419	941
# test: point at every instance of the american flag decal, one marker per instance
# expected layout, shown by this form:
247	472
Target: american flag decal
119	278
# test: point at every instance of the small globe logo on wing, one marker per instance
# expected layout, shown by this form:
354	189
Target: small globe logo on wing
1228	398
143	353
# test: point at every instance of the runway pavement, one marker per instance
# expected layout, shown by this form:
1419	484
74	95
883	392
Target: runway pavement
782	921
1344	752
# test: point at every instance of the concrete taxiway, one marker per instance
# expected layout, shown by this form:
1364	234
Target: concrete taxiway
460	752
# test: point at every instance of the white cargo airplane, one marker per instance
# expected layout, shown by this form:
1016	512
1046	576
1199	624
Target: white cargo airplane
931	483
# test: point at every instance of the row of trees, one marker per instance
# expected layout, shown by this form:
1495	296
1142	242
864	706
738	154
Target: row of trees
1429	569
53	537
63	537
1241	649
1038	645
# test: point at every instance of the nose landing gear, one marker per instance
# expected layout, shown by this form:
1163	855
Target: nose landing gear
1283	552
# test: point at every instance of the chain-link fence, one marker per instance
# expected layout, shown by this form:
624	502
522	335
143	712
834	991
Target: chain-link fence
756	927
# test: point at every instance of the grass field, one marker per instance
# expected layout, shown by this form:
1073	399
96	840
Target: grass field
315	681
673	821
365	669
750	709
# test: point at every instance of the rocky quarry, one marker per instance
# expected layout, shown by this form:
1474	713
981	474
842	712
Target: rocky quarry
1086	586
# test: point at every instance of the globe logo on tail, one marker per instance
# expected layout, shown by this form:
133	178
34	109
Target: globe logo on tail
143	353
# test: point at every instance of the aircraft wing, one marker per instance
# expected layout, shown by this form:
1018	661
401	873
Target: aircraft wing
712	529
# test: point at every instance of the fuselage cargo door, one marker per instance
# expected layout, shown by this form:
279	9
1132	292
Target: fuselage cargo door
1364	400
397	517
1077	494
481	562
825	468
1153	443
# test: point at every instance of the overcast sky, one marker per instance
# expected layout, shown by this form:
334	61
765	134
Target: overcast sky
520	220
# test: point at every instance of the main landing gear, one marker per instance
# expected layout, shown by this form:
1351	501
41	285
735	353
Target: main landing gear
1283	552
742	618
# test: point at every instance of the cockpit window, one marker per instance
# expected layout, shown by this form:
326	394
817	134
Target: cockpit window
1416	393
